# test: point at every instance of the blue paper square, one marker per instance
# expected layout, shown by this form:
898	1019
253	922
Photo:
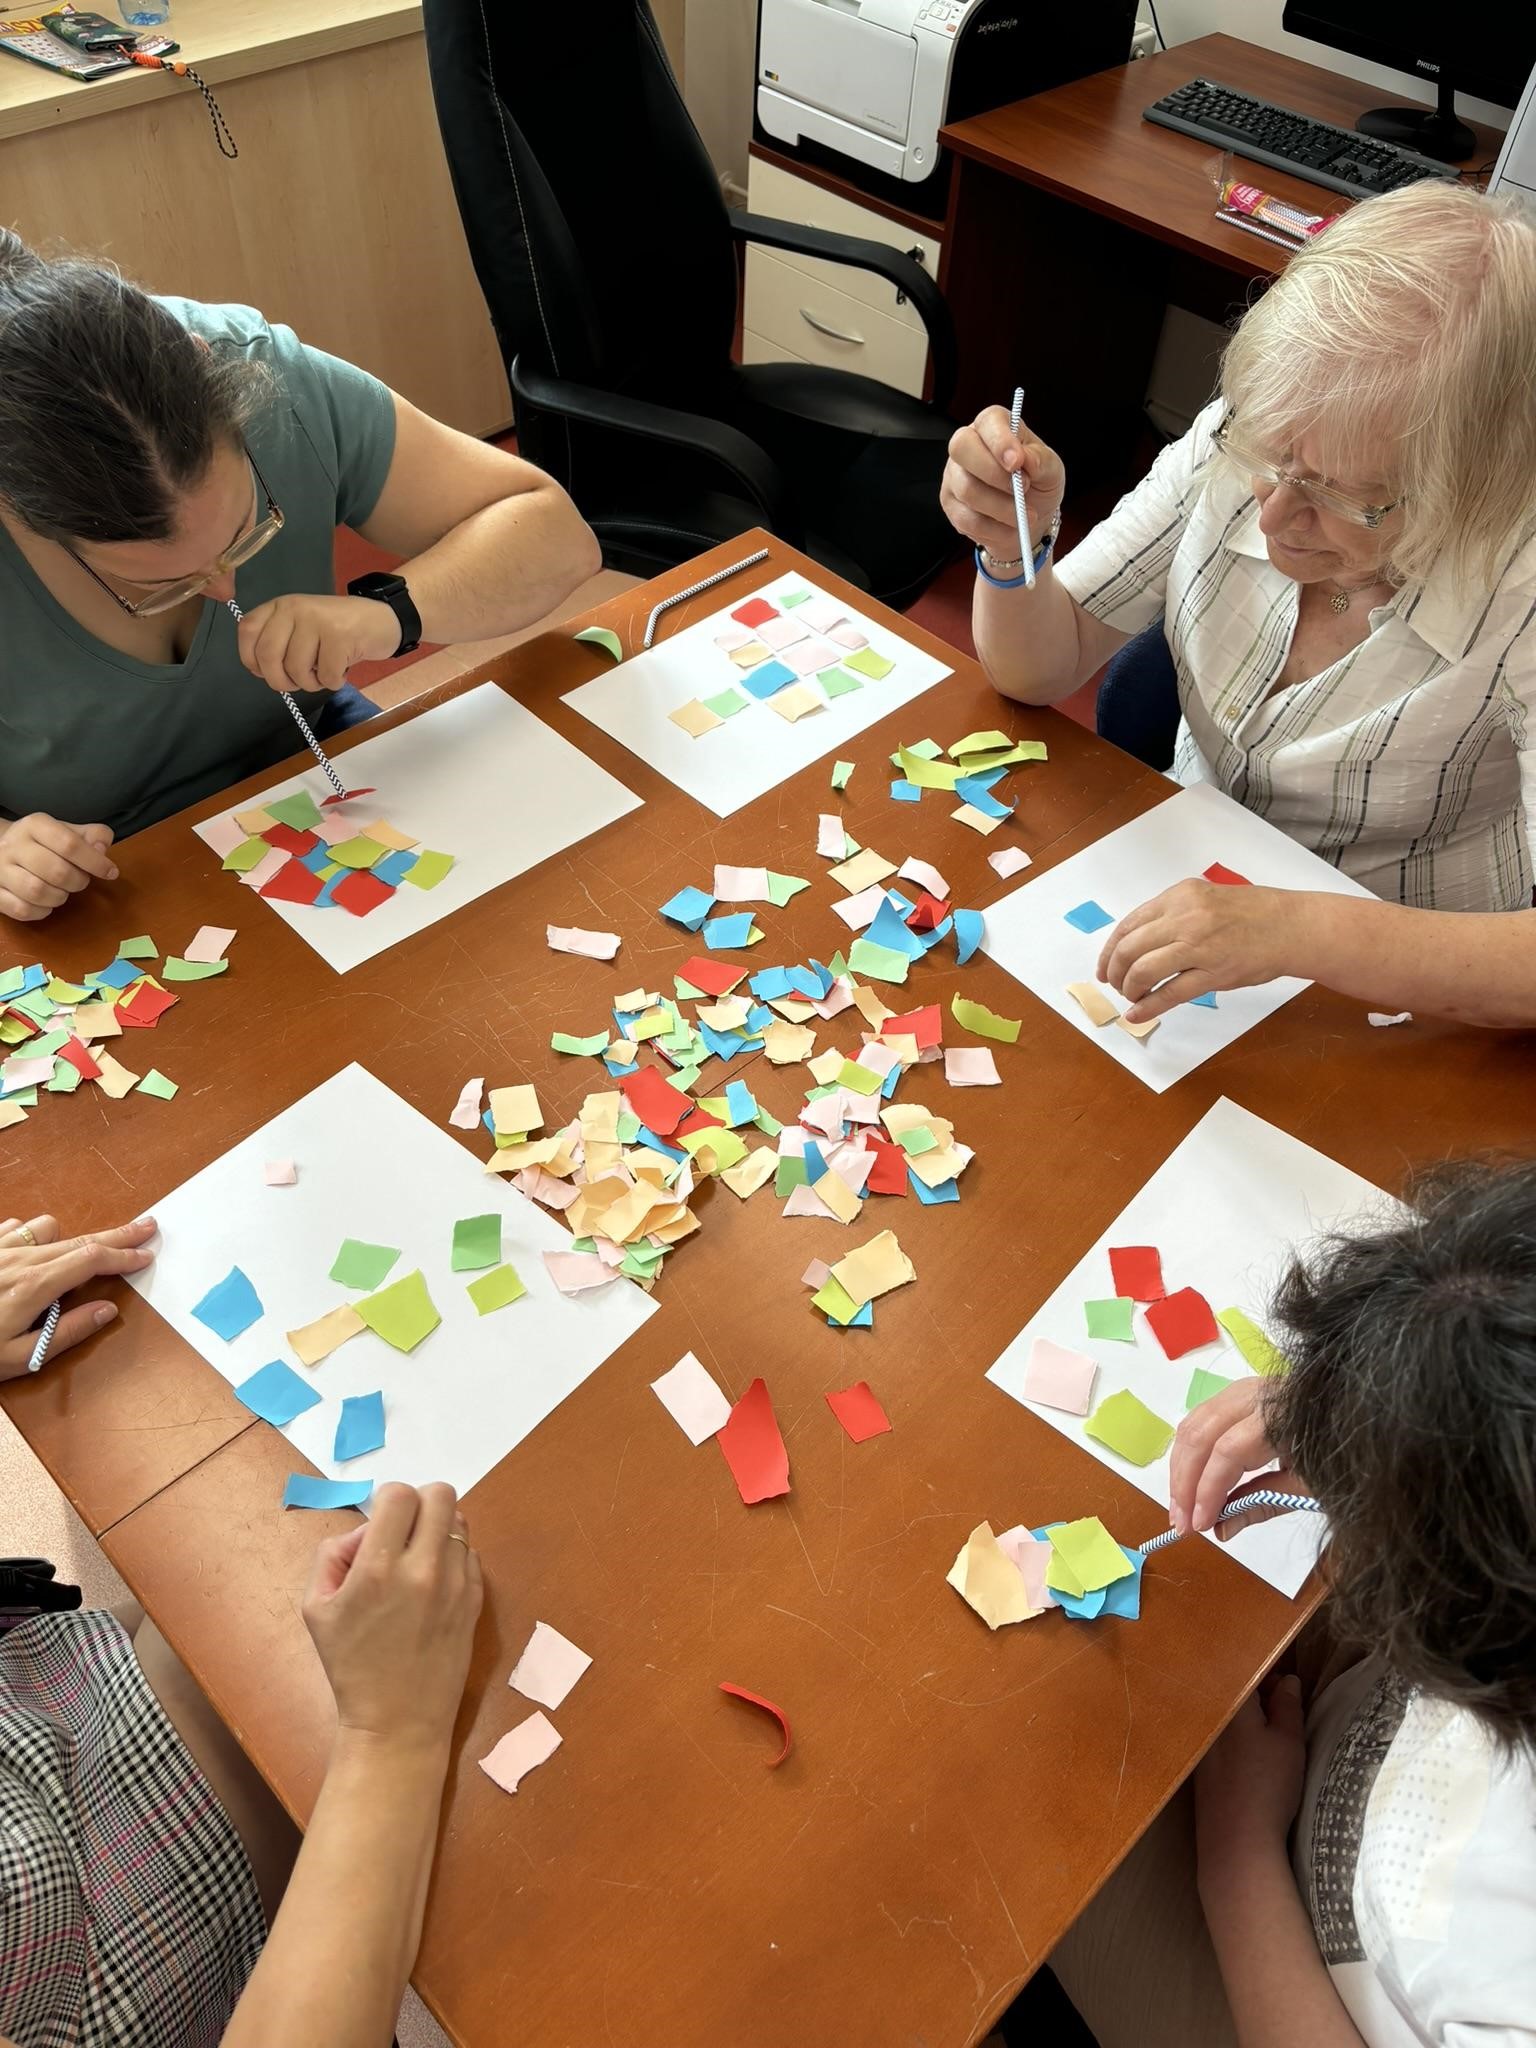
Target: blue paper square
864	1319
728	934
304	1490
325	900
946	1191
689	908
231	1307
906	792
771	983
277	1394
1205	1002
725	1045
740	1106
1089	917
361	1428
119	975
773	675
646	1136
395	866
318	857
759	1017
968	929
973	790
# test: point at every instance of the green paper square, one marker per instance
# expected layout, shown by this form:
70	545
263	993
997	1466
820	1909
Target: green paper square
141	948
403	1314
834	1301
495	1290
66	1079
867	663
477	1242
66	992
1090	1554
1110	1319
925	750
1202	1385
789	1174
1129	1428
1267	1359
247	855
628	1127
841	772
917	1141
359	852
727	704
155	1083
429	870
562	1041
782	887
836	682
298	809
191	970
791	598
362	1265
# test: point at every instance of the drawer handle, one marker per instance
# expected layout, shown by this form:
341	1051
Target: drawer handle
832	333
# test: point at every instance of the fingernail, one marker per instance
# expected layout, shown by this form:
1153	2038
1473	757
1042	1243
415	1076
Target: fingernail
143	1222
111	874
105	1314
1202	1521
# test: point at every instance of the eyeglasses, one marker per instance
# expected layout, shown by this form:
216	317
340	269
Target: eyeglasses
1322	496
165	597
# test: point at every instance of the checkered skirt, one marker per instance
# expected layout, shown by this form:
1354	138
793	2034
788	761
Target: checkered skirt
128	1912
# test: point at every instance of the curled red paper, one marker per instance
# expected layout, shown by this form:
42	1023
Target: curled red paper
755	1699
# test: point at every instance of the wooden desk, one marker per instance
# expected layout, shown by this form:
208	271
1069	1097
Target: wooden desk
954	1798
338	217
1073	223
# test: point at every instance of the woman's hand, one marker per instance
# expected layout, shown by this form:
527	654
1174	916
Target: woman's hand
392	1608
1249	1787
43	862
1213	1447
1202	936
309	643
38	1269
977	491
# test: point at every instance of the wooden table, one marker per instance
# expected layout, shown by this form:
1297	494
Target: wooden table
954	1797
1074	223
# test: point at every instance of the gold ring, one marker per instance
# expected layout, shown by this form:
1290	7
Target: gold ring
27	1235
455	1537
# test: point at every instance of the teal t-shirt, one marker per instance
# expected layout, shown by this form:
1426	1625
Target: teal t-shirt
95	736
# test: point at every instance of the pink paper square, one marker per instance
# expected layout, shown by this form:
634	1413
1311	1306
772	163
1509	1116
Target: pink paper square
279	1173
849	637
781	633
1058	1378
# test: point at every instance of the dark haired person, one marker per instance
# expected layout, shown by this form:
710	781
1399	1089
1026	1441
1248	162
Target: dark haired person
158	457
1363	1840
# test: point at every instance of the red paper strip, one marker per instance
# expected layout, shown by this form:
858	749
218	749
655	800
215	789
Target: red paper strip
659	1106
289	840
859	1412
145	1007
330	802
927	912
755	1699
754	1448
1138	1272
753	613
80	1059
888	1175
293	883
360	893
1183	1322
1217	873
696	1120
925	1025
715	977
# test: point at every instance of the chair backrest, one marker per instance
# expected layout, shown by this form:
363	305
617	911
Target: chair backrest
593	214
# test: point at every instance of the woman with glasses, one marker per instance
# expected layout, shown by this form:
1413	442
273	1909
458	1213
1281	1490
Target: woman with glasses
1342	553
171	478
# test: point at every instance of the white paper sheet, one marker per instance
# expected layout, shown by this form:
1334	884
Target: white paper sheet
1225	1209
370	1167
753	751
480	778
1028	934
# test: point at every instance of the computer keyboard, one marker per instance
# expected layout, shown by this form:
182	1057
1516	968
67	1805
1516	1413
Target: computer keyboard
1339	158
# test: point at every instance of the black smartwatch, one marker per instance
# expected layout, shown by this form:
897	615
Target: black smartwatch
391	590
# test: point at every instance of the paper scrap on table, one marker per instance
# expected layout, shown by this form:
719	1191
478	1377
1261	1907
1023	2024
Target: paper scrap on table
497	1289
978	821
141	948
754	1448
857	1409
984	1022
692	1399
1008	860
1381	1017
402	1314
971	1067
549	1666
304	1490
604	637
317	1340
360	1428
865	868
1266	1358
276	1393
211	943
842	773
364	1266
1059	1378
756	1699
1091	1555
230	1308
529	1744
987	1579
155	1083
1129	1428
591	945
465	1113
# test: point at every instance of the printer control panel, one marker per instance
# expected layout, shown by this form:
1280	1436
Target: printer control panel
941	17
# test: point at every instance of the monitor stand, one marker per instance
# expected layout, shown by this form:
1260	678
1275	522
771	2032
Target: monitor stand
1432	131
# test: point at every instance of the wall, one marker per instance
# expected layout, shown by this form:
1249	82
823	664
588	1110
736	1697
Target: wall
721	43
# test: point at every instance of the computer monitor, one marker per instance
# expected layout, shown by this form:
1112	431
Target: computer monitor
1483	47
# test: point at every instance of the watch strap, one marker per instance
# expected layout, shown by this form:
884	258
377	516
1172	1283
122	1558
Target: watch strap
385	588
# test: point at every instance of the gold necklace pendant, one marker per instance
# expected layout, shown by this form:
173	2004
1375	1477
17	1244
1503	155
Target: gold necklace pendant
1340	600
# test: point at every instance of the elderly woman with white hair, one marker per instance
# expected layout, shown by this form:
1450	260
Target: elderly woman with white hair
1343	553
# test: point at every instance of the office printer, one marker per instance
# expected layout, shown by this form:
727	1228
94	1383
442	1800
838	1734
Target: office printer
875	80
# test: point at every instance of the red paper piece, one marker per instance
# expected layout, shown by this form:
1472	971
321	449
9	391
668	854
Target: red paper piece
715	977
859	1412
888	1175
330	802
697	1120
925	1025
1217	873
360	893
293	883
290	840
80	1059
753	1447
755	1699
659	1106
1183	1322
753	613
1138	1272
927	912
145	1007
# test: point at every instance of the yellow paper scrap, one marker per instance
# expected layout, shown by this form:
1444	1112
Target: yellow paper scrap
837	1195
1127	1426
945	1162
623	1052
1090	1553
727	1015
255	820
650	1024
826	1067
990	742
96	1020
388	835
515	1109
599	1121
865	869
1266	1358
871	1007
977	820
986	1578
859	1079
748	1175
513	1158
911	1116
695	718
984	1022
637	999
873	1269
1138	1030
786	1043
905	1047
795	702
319	1339
11	1113
1092	1001
925	773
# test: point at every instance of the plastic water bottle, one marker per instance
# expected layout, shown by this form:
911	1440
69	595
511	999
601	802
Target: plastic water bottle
145	13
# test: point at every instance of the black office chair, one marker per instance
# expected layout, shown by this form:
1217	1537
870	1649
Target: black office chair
1137	708
608	261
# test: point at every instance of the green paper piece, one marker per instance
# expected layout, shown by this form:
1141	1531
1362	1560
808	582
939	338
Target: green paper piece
429	870
247	855
841	772
686	1075
628	1127
1127	1426
793	597
1111	1319
880	963
782	887
836	682
402	1314
838	965
1061	1578
477	1242
1202	1385
362	1265
66	1079
925	750
495	1290
141	948
725	1145
191	970
790	1173
331	867
602	636
38	1048
59	991
298	809
926	772
858	1078
1089	1553
727	704
989	742
640	1262
1267	1359
984	1022
767	1122
24	1098
562	1041
155	1083
715	1106
834	1301
360	852
685	992
823	1088
917	1141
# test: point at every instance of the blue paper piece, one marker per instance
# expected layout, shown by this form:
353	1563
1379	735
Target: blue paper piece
772	984
231	1307
773	675
759	1017
892	1081
36	976
361	1428
1205	1002
887	928
304	1490
967	934
118	975
1124	1596
277	1394
489	1121
946	1191
824	978
689	908
395	866
972	790
328	889
928	940
1089	917
863	1320
646	1136
906	792
725	1045
318	857
988	778
740	1104
899	902
815	1165
728	934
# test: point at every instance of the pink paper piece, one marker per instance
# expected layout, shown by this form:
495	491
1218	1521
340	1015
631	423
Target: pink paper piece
465	1113
575	1272
741	885
830	837
815	1275
539	1185
693	1400
781	633
926	877
848	636
737	637
530	1743
1008	860
211	943
223	835
590	945
837	999
807	659
549	1666
266	868
971	1066
821	614
278	1173
859	912
1031	1556
1059	1378
333	828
